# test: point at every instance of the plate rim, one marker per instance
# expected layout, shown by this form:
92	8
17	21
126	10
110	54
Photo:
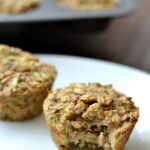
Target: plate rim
95	60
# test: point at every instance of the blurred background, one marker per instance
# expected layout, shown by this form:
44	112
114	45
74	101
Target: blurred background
124	40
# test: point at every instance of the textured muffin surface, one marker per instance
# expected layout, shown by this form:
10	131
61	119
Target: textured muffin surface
24	83
17	6
89	4
90	115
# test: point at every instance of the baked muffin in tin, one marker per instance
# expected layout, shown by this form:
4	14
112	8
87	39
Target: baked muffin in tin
89	4
24	83
90	116
17	6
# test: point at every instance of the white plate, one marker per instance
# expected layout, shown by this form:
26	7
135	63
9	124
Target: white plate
34	135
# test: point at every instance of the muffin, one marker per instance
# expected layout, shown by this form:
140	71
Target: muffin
24	83
17	6
89	4
90	116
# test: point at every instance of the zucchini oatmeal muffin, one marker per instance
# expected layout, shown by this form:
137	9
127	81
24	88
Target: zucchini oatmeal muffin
24	83
91	116
17	6
89	4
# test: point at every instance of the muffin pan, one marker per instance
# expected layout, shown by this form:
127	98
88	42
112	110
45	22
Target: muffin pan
50	10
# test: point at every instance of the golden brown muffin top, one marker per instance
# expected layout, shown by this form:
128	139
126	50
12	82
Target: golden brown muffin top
89	4
88	101
17	6
21	71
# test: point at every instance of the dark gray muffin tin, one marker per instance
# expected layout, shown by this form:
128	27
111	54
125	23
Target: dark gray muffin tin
49	10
